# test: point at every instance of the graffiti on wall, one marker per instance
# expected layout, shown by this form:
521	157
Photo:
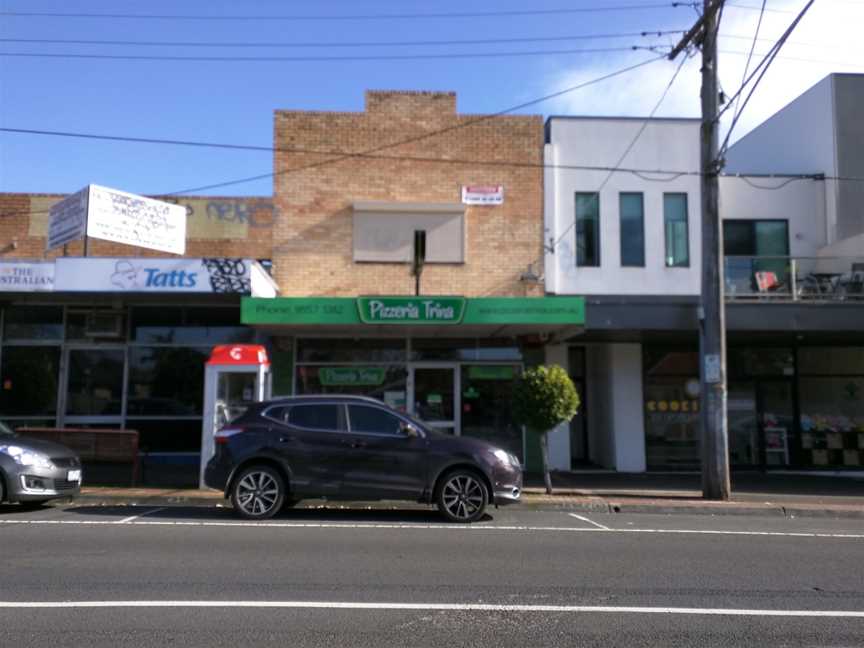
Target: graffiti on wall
207	218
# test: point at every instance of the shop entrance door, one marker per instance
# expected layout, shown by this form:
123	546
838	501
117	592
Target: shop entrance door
93	386
434	391
776	407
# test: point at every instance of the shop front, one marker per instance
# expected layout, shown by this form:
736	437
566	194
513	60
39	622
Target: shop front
451	361
789	407
119	344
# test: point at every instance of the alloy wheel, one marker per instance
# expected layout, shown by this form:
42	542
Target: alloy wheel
258	493
463	497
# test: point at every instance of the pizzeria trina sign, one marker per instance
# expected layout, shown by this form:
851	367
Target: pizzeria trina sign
411	310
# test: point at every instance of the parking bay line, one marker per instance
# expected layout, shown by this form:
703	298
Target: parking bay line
443	527
458	607
139	515
585	519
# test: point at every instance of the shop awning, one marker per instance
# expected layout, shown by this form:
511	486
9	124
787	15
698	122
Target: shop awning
551	318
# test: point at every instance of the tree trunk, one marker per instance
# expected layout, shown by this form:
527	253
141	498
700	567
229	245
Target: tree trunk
544	452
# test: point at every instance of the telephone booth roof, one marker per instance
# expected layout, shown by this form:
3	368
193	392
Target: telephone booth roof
239	354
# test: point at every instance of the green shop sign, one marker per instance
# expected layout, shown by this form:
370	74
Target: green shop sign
347	311
490	372
411	310
346	376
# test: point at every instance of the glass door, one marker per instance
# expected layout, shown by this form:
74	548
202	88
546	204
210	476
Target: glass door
94	386
435	396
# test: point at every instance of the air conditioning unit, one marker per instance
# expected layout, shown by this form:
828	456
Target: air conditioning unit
104	324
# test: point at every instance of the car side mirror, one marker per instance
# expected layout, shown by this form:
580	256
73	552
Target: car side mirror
410	431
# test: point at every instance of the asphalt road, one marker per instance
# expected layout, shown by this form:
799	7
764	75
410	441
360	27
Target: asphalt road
127	576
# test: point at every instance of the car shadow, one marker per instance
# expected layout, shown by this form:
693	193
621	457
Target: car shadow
312	513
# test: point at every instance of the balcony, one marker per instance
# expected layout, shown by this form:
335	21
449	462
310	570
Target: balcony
782	278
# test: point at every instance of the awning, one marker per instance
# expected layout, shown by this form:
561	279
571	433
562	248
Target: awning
552	318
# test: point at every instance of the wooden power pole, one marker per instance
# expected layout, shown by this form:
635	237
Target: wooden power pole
712	317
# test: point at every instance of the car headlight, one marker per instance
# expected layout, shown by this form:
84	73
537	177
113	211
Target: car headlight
506	458
25	457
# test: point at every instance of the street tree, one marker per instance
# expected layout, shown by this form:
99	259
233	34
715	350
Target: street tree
544	397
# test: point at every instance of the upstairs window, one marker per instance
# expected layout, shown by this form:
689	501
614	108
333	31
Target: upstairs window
755	237
676	230
632	214
587	229
384	231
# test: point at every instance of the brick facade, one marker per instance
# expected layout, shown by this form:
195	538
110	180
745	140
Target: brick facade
313	251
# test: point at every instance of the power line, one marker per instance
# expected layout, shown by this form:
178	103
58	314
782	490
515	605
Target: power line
752	49
427	135
423	136
391	57
596	195
297	59
325	18
332	44
767	64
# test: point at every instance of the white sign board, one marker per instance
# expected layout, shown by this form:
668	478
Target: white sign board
18	276
122	217
143	275
483	194
67	220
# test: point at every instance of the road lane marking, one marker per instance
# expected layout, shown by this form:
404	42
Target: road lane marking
459	607
139	515
476	528
585	519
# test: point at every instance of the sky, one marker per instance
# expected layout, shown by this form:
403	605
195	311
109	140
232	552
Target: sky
232	101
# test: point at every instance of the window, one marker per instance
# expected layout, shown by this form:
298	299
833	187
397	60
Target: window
33	323
756	238
316	417
166	381
384	232
587	229
676	230
29	380
371	420
631	209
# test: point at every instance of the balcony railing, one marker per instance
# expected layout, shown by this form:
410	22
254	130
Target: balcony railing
794	278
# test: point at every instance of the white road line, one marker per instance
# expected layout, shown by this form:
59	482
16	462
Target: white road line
585	519
441	527
472	607
139	515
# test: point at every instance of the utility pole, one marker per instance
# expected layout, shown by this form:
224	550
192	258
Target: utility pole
712	316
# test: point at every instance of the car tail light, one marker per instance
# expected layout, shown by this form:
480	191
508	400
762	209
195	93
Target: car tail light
225	434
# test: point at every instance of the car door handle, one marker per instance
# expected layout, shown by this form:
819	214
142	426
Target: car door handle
356	444
285	438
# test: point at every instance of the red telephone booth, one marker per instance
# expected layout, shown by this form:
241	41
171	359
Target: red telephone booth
234	376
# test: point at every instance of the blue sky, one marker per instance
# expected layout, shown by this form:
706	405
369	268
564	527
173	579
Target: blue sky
233	102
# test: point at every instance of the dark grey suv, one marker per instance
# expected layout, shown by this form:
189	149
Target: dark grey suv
35	471
354	448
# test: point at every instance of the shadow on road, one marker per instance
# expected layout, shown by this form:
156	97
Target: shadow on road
313	513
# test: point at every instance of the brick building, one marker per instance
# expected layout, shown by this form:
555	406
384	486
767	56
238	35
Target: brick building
351	192
313	250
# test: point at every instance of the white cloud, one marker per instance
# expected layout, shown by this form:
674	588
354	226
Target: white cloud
827	40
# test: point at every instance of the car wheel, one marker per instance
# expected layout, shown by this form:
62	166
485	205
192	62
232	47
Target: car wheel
462	496
258	492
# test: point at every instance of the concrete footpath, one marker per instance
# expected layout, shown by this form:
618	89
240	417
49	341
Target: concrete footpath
753	494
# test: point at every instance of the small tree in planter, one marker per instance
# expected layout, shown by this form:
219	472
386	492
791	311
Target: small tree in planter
544	397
